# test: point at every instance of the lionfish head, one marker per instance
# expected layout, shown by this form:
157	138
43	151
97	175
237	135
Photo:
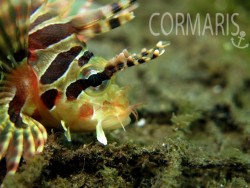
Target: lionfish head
97	98
94	101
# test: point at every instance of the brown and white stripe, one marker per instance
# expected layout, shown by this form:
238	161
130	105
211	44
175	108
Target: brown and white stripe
118	63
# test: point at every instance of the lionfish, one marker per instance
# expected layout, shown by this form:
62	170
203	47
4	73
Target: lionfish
49	78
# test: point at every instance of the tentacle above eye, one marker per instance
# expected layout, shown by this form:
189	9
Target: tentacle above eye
124	59
118	63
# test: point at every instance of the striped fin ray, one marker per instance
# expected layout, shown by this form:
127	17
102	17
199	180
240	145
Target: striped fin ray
104	19
116	64
102	26
82	12
83	18
78	27
125	60
14	23
20	135
17	142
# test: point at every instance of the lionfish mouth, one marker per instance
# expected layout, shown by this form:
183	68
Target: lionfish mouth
116	117
112	114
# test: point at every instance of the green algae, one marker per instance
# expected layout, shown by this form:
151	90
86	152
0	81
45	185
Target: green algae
28	174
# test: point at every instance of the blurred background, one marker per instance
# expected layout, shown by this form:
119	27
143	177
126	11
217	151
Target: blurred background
198	91
200	78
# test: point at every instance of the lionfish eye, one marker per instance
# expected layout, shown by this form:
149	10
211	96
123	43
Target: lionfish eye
100	86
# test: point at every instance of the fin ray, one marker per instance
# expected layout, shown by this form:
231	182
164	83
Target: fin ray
14	23
16	141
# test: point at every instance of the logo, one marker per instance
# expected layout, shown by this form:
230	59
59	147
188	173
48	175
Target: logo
241	38
199	25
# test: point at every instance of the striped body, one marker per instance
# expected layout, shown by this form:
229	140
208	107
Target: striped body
50	79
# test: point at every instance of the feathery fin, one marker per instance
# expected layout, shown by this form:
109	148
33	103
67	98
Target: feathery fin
14	24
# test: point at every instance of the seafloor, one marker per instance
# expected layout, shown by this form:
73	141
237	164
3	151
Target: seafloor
195	101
